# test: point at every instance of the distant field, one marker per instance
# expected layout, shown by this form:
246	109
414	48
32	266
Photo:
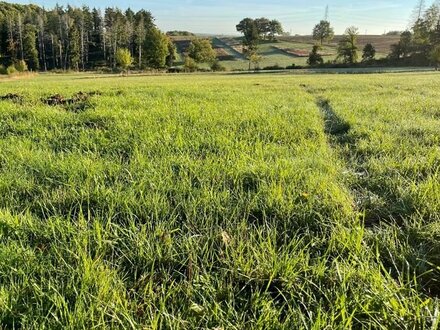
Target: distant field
382	43
220	202
285	52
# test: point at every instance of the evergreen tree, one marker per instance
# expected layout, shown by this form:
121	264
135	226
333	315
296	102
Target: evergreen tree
368	53
75	48
30	51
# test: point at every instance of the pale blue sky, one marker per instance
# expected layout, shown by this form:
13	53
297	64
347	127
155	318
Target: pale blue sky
297	16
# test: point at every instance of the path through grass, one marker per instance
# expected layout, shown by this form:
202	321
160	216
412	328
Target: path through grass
220	202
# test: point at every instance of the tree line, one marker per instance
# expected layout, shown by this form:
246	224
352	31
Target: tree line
80	38
72	38
420	45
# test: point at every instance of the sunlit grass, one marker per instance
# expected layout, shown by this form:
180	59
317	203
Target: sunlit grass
221	202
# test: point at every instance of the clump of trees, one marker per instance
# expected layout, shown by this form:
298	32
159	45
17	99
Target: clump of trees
254	31
17	67
260	28
72	38
200	51
417	46
180	33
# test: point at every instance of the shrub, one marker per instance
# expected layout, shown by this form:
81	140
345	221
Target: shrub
190	65
21	66
273	67
314	57
216	66
3	69
124	59
11	70
368	54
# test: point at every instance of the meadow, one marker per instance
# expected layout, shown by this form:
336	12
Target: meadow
220	201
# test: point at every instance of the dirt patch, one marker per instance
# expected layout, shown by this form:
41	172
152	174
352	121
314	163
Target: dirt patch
77	103
56	99
12	97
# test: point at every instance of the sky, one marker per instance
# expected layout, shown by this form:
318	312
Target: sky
296	16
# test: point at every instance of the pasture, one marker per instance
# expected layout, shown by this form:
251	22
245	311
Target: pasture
220	201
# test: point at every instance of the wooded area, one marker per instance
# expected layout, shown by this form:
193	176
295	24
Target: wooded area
79	38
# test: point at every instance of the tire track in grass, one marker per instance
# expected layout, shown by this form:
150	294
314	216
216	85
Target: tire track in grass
338	133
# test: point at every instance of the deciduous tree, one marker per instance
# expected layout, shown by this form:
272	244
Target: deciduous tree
275	28
251	38
314	57
348	49
156	49
123	58
323	32
201	51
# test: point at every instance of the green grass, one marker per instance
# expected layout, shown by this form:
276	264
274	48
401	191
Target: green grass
271	56
221	202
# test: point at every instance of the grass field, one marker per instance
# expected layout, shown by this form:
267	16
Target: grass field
220	202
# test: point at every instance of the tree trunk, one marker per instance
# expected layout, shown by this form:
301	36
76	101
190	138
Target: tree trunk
20	33
140	57
103	41
54	57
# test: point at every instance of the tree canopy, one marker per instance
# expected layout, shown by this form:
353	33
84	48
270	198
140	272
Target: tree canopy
368	53
254	30
417	45
201	51
323	32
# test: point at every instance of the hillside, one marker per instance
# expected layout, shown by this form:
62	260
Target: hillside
286	51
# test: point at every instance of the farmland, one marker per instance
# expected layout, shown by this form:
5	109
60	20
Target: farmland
286	51
220	201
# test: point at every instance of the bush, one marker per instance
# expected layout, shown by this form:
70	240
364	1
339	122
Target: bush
273	67
3	69
21	66
216	66
124	59
11	70
190	65
314	57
